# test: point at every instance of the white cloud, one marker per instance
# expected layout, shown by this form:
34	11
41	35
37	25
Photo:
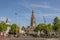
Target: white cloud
38	6
3	18
33	5
43	6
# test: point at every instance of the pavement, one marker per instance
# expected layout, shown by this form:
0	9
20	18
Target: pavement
28	38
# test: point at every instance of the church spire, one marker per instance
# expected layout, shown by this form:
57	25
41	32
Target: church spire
32	14
33	20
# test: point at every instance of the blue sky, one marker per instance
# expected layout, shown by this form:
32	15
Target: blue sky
47	8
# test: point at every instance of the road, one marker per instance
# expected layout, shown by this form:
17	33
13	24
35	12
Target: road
28	38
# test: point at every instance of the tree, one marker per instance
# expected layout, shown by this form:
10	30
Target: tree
14	28
48	28
3	26
56	24
39	27
44	27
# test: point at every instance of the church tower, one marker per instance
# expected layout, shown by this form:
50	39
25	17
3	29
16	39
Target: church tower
33	20
7	20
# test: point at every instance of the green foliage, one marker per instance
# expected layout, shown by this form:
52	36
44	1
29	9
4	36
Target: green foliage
44	27
3	26
48	28
14	28
39	27
56	23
